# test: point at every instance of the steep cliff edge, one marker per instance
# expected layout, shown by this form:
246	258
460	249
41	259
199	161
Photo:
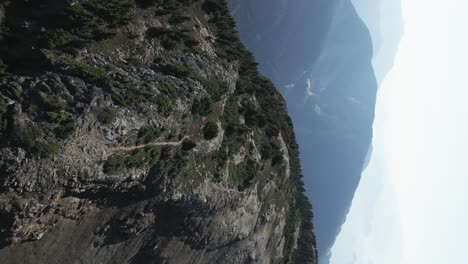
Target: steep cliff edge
141	132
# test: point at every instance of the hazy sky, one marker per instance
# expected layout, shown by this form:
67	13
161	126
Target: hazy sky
412	204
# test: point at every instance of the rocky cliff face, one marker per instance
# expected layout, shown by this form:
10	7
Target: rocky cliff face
141	132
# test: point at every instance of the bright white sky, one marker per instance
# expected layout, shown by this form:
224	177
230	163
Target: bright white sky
412	204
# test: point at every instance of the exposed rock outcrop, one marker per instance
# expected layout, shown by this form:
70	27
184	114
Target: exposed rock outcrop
141	132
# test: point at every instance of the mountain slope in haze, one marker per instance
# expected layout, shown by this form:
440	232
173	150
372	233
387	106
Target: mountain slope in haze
385	23
285	37
320	53
141	132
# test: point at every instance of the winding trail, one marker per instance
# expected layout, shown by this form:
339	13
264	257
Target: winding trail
167	143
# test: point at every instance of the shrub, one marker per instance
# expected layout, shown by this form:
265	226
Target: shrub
169	44
221	157
167	98
145	3
94	74
131	96
136	159
156	32
169	89
65	123
250	173
65	128
27	136
191	42
250	115
82	22
212	6
277	159
166	105
148	134
52	102
94	19
171	39
243	174
47	149
3	70
266	151
113	12
105	115
188	144
210	130
177	70
57	117
215	87
61	38
244	85
114	164
3	107
178	18
97	75
271	129
201	106
231	118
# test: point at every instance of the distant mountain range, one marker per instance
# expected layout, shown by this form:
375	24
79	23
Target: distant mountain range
320	55
385	23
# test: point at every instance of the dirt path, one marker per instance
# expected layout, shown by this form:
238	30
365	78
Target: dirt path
168	143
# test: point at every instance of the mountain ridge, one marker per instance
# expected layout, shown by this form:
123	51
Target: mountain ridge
142	132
